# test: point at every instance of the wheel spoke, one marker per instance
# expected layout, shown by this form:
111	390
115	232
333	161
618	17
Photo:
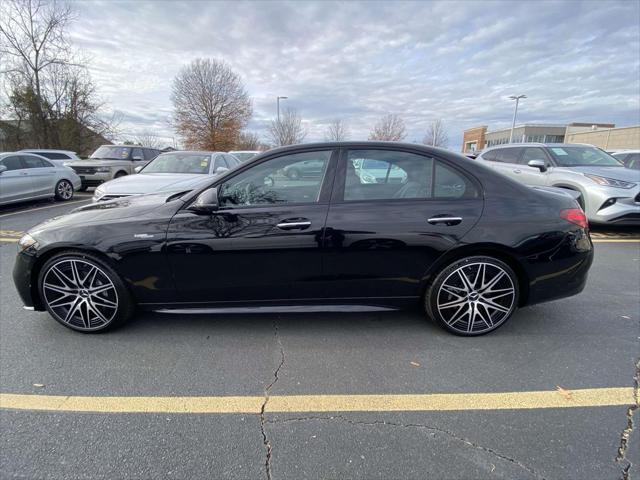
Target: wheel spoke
465	280
92	308
58	289
66	281
495	306
58	302
76	275
485	317
494	280
456	316
100	289
72	310
479	280
454	303
103	302
93	271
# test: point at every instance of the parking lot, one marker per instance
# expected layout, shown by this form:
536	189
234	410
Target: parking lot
324	395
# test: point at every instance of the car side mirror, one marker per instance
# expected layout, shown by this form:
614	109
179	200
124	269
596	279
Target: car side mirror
3	168
539	164
220	170
206	202
137	169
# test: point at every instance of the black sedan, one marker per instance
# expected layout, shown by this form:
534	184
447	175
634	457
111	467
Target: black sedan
467	243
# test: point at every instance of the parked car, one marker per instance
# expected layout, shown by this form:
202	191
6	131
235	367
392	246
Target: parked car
244	155
168	172
111	161
468	244
630	158
57	157
609	193
304	169
25	176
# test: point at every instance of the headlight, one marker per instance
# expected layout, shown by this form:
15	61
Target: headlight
103	169
610	182
98	193
26	242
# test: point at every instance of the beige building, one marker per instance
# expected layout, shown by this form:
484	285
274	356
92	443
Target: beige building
620	138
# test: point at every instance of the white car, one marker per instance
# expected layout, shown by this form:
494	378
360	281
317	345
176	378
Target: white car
57	157
168	172
25	176
630	158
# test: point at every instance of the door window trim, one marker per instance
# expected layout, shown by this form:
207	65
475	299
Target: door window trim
337	196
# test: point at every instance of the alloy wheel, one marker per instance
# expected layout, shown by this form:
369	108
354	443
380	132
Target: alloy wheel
65	190
80	294
476	297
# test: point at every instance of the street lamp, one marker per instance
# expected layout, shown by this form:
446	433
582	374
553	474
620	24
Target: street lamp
278	104
515	112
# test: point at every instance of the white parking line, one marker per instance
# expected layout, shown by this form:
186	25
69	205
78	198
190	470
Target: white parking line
28	210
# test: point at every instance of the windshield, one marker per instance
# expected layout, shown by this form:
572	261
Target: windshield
111	153
580	156
244	156
179	163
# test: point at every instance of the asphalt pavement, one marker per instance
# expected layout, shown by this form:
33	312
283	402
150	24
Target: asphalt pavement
557	349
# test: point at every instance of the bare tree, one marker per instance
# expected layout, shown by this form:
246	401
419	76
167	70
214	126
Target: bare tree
249	141
389	128
436	135
148	139
49	95
337	131
211	105
286	130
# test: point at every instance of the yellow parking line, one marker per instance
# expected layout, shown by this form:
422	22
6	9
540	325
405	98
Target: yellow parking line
11	240
562	398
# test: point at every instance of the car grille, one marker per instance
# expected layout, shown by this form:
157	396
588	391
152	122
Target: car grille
84	170
104	198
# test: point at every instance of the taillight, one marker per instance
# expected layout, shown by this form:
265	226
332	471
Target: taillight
575	216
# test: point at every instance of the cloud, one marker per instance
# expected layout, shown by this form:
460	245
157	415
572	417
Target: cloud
458	61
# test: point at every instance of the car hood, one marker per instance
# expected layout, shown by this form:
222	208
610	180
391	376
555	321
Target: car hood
113	210
97	163
617	173
154	183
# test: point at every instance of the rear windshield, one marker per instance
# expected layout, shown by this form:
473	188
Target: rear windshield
179	163
579	156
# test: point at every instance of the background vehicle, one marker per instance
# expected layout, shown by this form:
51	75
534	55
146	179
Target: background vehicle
455	236
111	161
244	155
57	157
25	176
168	172
609	193
630	158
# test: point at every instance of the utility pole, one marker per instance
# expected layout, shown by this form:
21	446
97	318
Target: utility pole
278	105
515	113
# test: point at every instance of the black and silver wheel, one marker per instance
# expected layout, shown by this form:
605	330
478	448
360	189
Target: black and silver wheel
64	190
83	293
473	296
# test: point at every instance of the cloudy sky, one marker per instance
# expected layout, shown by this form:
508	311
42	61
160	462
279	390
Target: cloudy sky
458	61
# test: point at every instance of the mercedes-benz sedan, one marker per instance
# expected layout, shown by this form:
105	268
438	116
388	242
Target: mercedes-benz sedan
468	244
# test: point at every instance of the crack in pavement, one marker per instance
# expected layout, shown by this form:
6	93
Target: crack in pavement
263	421
621	457
434	430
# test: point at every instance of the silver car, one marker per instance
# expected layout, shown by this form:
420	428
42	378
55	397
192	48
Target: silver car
25	176
168	172
609	192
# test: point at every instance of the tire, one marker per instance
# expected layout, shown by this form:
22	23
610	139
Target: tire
63	190
479	305
83	293
120	174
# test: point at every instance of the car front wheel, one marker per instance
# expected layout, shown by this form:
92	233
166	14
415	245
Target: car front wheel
83	293
473	296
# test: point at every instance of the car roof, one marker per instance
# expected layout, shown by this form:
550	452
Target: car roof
535	144
46	150
127	146
20	152
195	152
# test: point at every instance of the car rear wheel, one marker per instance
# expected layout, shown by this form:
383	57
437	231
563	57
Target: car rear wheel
64	190
120	174
473	296
84	293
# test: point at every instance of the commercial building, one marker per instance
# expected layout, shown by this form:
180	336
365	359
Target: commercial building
477	138
621	138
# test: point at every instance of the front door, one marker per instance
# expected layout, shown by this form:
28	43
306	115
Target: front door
388	224
532	175
264	242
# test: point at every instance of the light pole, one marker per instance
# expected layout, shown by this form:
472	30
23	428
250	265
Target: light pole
278	104
515	113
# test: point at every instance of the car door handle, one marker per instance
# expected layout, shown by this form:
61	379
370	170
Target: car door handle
24	173
294	225
517	170
448	220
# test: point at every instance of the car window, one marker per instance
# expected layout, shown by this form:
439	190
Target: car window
508	155
491	155
449	183
231	160
31	161
55	155
149	154
220	162
386	174
533	153
633	161
179	163
12	163
582	156
137	154
294	178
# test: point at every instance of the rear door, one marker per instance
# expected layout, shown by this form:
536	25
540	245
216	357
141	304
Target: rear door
15	183
382	236
506	162
41	172
264	242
